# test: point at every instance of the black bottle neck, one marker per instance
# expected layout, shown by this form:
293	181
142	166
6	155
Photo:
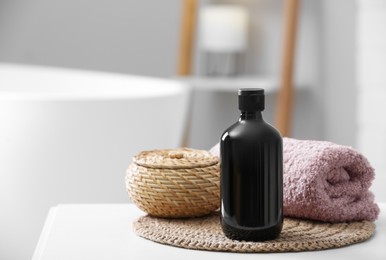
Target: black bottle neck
251	115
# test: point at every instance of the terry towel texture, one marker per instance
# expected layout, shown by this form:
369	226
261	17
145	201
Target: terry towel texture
326	181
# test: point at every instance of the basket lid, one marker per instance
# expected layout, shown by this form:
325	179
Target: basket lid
182	158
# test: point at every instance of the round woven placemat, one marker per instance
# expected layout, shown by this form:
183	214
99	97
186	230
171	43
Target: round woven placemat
297	235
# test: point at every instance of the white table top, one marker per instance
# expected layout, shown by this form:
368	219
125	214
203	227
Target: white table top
104	231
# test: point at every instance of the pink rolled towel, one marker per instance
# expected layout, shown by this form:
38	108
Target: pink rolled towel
325	181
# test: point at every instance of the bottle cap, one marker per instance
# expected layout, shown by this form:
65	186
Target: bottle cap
251	99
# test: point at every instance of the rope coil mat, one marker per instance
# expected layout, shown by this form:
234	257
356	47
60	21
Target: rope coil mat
297	235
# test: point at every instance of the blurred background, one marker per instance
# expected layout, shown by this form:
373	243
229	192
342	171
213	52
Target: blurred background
142	38
338	73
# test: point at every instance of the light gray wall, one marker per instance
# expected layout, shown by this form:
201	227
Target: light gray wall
141	37
338	82
371	81
130	36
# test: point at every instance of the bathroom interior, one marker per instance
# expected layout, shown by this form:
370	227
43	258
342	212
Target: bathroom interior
86	85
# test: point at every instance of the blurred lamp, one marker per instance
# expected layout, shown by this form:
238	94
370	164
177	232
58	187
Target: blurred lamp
223	28
223	35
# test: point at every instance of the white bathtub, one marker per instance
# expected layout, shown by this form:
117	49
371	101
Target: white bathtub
67	136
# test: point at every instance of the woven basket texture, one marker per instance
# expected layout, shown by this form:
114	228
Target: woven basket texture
297	235
175	183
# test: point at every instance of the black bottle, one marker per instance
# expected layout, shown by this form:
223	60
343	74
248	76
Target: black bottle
251	174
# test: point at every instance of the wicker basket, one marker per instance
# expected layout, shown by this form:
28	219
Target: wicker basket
175	183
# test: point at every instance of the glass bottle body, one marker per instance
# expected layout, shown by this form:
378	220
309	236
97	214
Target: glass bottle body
251	179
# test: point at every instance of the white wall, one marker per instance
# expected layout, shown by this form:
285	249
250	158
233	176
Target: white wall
137	37
371	81
338	83
141	37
